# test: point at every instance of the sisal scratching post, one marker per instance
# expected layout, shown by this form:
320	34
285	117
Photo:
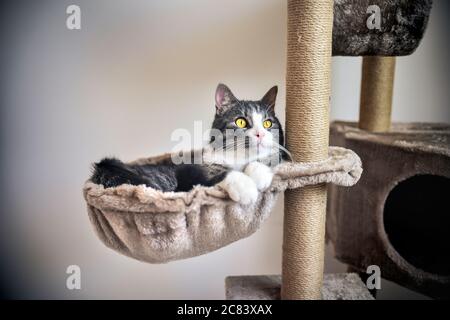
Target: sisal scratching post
307	128
376	93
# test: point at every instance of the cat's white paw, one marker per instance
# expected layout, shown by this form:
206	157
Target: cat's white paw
261	174
240	187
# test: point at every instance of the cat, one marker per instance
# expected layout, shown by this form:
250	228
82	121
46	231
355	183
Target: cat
246	141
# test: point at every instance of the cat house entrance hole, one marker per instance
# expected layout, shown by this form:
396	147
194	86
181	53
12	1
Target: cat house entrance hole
417	222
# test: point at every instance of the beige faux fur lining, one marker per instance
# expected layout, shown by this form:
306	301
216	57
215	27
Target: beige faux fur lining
157	227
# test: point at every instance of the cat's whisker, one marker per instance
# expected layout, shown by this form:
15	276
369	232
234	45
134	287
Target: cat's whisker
234	144
280	147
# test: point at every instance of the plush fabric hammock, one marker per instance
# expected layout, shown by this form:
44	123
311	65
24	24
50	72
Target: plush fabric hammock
157	227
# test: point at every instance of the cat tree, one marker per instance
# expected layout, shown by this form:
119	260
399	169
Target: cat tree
313	36
157	227
397	216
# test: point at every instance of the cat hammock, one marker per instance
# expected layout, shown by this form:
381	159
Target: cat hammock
157	227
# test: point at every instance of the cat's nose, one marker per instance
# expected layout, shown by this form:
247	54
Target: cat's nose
260	135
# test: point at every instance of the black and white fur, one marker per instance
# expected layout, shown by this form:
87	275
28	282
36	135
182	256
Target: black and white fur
240	166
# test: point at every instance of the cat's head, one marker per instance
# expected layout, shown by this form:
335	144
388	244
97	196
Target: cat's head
249	130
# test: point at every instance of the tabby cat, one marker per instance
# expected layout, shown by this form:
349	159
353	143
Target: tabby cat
246	141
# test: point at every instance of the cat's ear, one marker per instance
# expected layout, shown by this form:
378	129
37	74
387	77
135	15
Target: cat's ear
270	97
224	97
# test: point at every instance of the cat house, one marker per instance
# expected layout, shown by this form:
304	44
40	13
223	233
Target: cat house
398	216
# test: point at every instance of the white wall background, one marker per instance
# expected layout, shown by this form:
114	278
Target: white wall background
135	72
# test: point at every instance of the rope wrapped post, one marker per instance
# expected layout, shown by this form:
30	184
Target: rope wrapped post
376	93
310	25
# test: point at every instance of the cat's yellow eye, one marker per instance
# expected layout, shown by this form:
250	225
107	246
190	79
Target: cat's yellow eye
267	124
240	122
